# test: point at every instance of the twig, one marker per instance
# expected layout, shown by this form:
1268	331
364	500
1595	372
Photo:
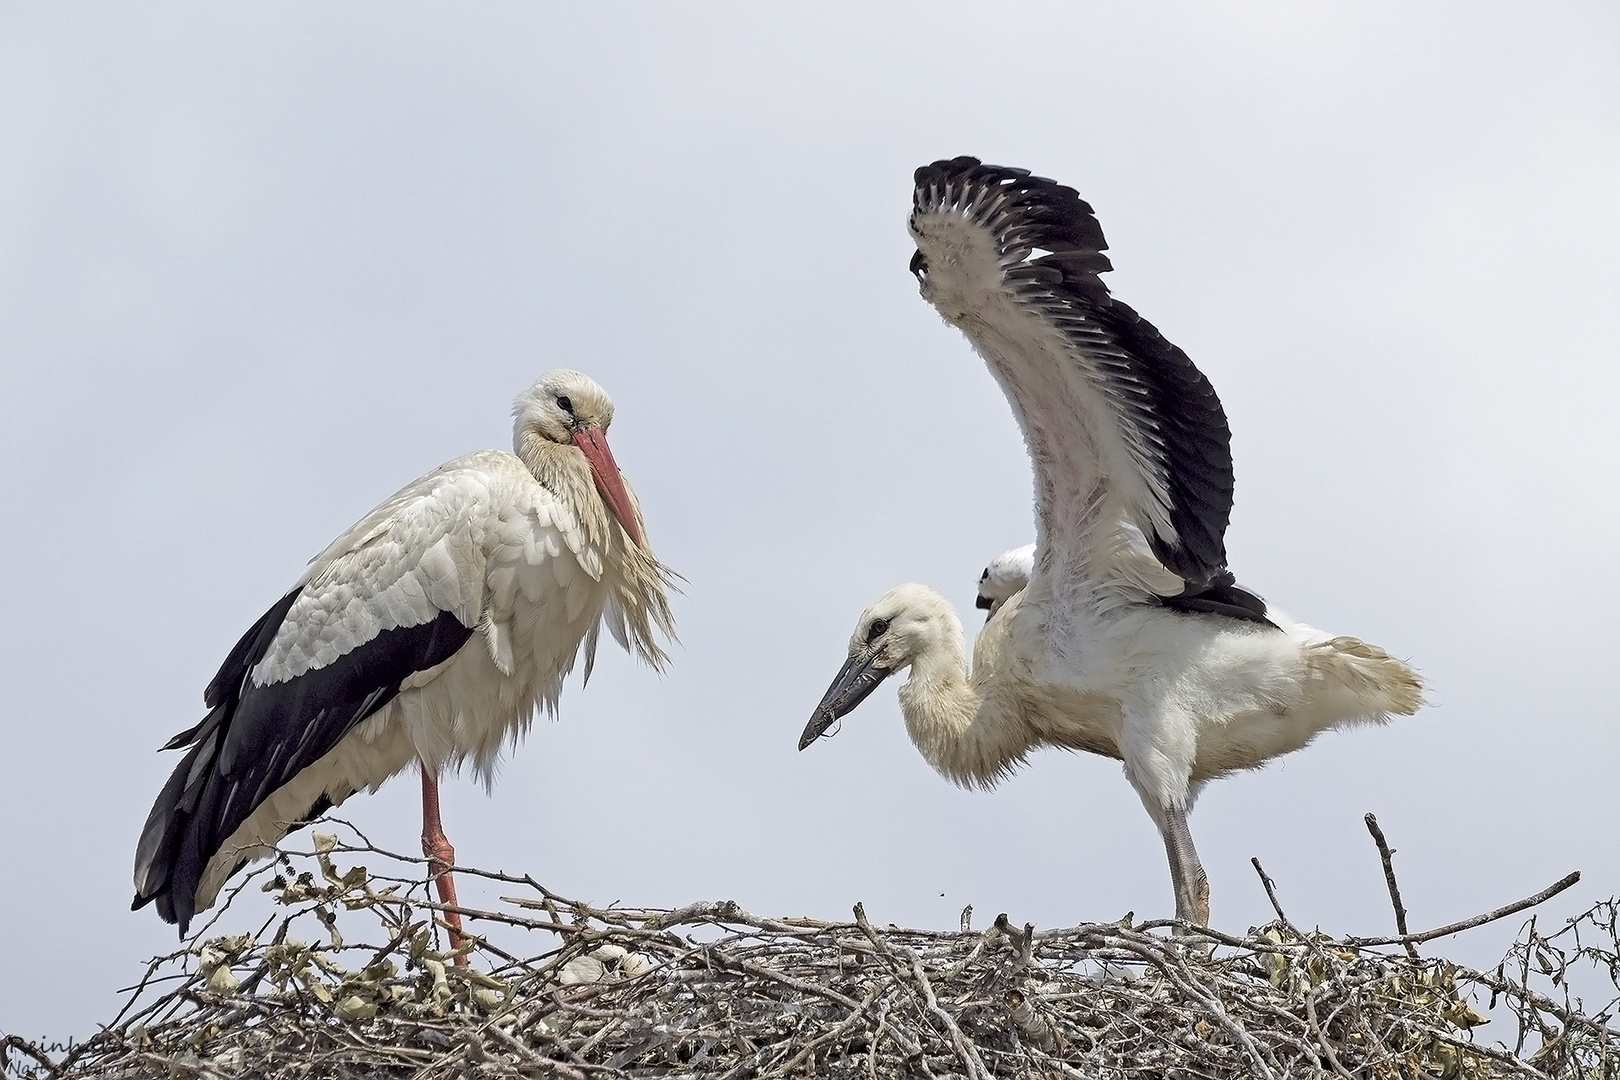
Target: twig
1321	1036
1567	1017
1478	920
856	1016
1271	892
1386	855
17	1042
965	1050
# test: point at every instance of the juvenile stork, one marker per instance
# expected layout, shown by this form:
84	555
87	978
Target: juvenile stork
427	634
1131	639
1005	575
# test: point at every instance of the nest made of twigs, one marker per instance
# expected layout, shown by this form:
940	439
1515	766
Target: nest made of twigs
353	981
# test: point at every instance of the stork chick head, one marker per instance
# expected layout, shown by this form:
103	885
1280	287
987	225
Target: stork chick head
903	625
1007	574
568	408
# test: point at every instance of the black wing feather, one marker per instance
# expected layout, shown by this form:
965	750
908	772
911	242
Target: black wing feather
257	738
1223	596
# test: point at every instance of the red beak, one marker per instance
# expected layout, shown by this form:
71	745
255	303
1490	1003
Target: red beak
593	443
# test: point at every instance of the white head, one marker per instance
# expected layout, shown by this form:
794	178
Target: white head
1006	575
560	403
568	408
902	626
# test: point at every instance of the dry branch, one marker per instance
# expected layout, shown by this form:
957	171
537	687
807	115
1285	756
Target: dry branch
1387	856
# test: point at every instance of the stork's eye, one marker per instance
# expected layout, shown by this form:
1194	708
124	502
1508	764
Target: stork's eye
878	628
564	404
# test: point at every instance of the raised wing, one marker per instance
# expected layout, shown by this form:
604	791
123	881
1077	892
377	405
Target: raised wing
1122	429
399	594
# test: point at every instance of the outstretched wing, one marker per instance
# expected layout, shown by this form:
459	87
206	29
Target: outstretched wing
1123	431
397	595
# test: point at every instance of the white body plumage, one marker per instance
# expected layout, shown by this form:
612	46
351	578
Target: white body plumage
1181	700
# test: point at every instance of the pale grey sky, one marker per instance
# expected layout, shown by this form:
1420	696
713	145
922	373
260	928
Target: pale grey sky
261	265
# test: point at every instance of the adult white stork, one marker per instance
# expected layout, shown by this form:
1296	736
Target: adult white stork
427	634
1005	575
1131	639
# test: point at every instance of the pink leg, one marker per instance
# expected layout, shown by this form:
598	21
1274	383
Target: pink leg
441	856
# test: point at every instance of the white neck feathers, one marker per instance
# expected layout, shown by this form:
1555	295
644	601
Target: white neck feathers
943	713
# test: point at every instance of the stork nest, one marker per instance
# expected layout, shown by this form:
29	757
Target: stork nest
354	981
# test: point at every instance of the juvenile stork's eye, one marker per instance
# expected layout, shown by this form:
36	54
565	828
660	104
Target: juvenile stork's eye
878	628
564	404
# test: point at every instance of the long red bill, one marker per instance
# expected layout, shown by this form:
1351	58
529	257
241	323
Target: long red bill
593	443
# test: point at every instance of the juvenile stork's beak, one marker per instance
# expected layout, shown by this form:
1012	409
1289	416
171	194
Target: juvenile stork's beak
858	677
593	443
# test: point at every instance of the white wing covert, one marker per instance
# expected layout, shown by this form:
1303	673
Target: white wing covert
1122	429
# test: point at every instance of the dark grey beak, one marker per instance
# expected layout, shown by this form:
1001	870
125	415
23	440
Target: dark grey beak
857	678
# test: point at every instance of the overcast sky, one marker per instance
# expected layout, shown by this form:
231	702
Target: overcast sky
261	265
